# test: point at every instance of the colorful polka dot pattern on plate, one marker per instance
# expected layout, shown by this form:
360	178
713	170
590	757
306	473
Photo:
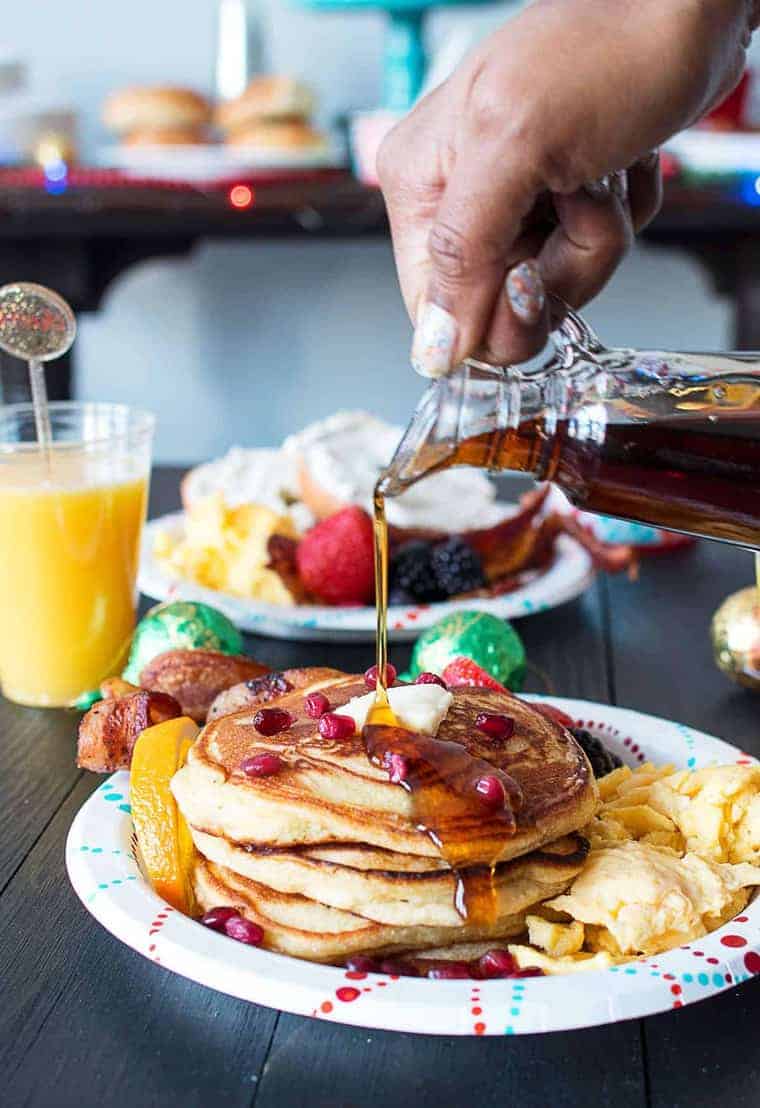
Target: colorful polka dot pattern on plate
101	863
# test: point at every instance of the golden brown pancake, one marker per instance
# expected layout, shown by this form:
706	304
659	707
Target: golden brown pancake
329	791
305	928
397	889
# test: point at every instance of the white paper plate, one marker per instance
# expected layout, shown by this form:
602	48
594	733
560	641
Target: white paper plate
570	574
106	878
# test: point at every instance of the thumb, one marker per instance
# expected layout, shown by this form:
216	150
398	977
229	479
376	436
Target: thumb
477	221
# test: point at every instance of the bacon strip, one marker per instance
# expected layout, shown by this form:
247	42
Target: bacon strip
508	547
610	557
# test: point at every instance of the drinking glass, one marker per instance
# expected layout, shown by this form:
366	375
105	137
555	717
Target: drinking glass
70	525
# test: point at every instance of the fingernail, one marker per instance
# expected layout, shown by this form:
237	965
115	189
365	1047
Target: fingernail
619	185
650	160
434	340
599	189
525	292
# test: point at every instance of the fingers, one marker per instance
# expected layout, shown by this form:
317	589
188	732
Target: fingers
594	233
469	245
413	182
645	189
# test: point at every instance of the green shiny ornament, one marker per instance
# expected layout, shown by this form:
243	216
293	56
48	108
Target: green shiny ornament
490	642
735	636
180	625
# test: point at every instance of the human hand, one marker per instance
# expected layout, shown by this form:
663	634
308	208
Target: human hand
531	168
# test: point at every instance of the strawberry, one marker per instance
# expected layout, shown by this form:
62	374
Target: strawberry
336	558
556	715
463	671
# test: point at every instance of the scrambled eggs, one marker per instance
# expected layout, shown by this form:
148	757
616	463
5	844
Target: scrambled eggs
644	900
717	810
225	548
673	856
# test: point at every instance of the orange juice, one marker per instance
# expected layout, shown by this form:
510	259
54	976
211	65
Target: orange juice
69	548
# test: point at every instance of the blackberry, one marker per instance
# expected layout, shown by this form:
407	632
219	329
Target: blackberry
603	761
411	573
400	596
456	567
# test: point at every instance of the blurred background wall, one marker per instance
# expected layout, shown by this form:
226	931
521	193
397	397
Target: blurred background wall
243	343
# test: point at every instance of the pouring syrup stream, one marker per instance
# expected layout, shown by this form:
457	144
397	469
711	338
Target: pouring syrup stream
440	776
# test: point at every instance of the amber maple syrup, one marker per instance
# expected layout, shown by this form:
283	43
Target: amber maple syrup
693	473
441	776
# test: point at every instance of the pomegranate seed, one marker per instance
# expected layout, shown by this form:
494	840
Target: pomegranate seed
430	679
397	766
496	963
270	721
398	969
261	765
360	963
334	726
449	971
316	704
491	791
529	971
217	918
495	726
370	677
243	931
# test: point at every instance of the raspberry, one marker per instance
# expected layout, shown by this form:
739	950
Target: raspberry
463	671
456	567
411	573
336	558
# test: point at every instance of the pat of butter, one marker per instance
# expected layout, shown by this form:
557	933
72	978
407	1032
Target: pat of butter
420	708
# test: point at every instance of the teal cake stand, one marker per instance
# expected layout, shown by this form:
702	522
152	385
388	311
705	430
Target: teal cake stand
405	60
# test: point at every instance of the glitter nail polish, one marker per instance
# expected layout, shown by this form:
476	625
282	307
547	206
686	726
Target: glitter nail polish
434	341
525	292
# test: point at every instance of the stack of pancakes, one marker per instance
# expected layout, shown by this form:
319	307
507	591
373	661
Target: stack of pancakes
326	855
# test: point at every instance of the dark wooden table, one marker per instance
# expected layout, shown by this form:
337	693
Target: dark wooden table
78	242
86	1022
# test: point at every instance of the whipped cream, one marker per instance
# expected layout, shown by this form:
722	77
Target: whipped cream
421	708
345	453
248	476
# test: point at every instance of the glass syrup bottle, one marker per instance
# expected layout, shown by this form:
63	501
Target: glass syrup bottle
661	438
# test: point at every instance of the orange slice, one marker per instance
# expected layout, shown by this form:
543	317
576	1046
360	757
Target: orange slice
163	836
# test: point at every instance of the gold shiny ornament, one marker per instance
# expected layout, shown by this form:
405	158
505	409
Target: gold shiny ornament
735	636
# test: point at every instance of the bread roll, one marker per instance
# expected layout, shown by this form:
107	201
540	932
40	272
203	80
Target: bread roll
276	135
159	108
170	136
265	98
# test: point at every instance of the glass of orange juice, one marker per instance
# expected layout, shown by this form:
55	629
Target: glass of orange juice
70	525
